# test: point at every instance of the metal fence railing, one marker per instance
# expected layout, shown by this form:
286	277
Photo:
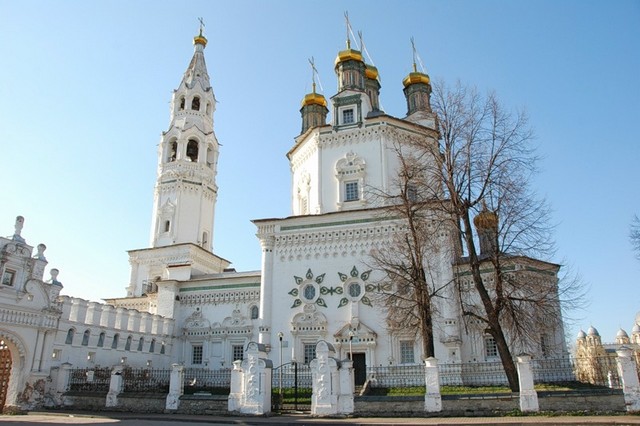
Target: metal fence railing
203	379
396	376
148	380
597	370
93	380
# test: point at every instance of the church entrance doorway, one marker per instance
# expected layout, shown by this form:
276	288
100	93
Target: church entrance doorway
5	372
359	368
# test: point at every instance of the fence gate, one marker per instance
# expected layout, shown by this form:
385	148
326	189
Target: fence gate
291	388
5	372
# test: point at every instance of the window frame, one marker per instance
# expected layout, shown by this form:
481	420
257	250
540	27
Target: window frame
12	277
348	115
197	354
308	352
349	194
234	352
407	351
490	348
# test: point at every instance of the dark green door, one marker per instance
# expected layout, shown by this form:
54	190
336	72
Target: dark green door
359	368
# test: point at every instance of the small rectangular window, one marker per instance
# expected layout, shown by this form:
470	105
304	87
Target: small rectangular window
237	352
347	116
490	347
8	277
406	352
196	354
309	352
351	192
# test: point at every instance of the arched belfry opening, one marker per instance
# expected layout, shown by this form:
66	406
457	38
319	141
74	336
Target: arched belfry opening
192	150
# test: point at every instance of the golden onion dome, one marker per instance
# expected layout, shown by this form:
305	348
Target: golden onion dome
486	220
314	99
200	39
371	72
349	55
415	77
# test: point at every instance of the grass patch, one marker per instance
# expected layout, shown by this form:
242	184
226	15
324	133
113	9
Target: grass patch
470	390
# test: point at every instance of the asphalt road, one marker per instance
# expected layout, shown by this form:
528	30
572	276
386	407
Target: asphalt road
129	419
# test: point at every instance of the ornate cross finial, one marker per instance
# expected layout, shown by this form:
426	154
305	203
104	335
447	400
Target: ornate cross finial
314	75
201	24
413	48
346	18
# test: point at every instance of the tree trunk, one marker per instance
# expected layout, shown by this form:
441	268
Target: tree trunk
493	316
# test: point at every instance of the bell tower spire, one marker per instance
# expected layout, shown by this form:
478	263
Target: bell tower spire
186	190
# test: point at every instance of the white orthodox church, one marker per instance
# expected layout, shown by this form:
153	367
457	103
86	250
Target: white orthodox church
185	305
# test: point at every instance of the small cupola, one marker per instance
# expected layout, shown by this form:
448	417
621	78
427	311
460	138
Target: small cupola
314	110
350	69
417	88
486	223
372	86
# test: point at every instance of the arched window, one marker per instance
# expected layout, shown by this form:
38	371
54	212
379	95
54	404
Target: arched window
140	344
162	349
173	151
195	103
205	239
167	225
192	150
114	343
152	346
70	334
85	338
101	340
181	103
127	346
255	312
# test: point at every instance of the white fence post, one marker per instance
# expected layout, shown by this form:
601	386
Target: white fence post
528	395
432	397
115	386
236	391
629	376
345	393
325	382
256	380
176	387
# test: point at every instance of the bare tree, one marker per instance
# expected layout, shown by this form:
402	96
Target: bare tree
409	286
634	235
487	164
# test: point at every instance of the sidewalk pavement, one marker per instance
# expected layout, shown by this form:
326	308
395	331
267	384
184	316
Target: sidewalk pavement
59	417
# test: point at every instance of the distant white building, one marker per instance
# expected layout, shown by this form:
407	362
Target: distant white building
185	305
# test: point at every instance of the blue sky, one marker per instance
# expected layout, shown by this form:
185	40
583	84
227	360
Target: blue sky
85	90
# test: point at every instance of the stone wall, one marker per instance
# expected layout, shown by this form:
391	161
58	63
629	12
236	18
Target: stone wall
203	404
605	401
488	405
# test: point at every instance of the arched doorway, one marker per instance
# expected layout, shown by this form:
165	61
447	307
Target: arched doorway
5	371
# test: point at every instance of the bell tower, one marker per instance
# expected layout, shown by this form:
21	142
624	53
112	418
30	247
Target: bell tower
186	191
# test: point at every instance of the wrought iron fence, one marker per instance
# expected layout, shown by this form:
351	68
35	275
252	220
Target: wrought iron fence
597	370
149	380
396	376
296	382
289	371
553	370
203	379
94	380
